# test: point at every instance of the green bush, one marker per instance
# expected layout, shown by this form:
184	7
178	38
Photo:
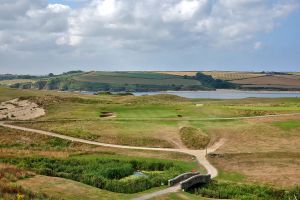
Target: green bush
245	192
104	173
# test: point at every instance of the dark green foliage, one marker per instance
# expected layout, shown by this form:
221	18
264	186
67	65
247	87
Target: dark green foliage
114	82
245	192
125	81
104	173
12	77
72	72
210	82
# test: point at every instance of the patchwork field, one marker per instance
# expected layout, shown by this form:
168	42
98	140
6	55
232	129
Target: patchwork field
230	76
146	78
252	80
291	81
259	150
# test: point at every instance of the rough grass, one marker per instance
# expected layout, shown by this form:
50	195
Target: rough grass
288	125
9	175
68	189
107	172
20	143
231	176
223	190
274	168
154	121
194	138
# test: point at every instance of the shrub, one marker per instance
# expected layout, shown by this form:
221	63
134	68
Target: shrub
245	192
104	173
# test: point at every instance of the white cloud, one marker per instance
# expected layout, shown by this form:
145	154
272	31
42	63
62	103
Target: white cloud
138	25
184	10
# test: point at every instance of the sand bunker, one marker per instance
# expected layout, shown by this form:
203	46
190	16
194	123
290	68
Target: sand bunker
20	110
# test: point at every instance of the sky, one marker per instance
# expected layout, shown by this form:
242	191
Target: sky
43	36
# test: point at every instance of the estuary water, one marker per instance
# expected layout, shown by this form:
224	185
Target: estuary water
226	94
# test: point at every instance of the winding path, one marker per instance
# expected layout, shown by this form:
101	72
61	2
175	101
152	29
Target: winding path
199	154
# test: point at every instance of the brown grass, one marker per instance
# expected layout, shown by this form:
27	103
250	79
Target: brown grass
178	73
68	189
274	119
20	143
276	168
229	76
194	138
257	137
261	151
270	80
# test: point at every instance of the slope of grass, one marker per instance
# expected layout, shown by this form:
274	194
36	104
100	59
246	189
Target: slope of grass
59	188
9	189
194	138
288	125
141	78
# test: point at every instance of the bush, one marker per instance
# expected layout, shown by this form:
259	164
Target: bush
104	173
245	192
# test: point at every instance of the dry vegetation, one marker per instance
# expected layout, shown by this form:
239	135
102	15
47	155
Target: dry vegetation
263	150
229	76
276	168
178	73
271	81
20	143
9	187
194	138
68	189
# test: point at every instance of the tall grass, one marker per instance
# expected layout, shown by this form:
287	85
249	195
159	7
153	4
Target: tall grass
104	173
245	192
193	138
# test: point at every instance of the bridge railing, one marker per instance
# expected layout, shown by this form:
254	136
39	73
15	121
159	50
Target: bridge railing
181	177
194	180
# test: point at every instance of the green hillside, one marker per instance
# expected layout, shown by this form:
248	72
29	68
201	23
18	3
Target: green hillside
124	81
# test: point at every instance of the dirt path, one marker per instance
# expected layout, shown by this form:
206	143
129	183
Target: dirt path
173	189
199	154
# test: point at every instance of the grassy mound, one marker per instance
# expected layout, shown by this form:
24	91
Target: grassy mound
193	138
